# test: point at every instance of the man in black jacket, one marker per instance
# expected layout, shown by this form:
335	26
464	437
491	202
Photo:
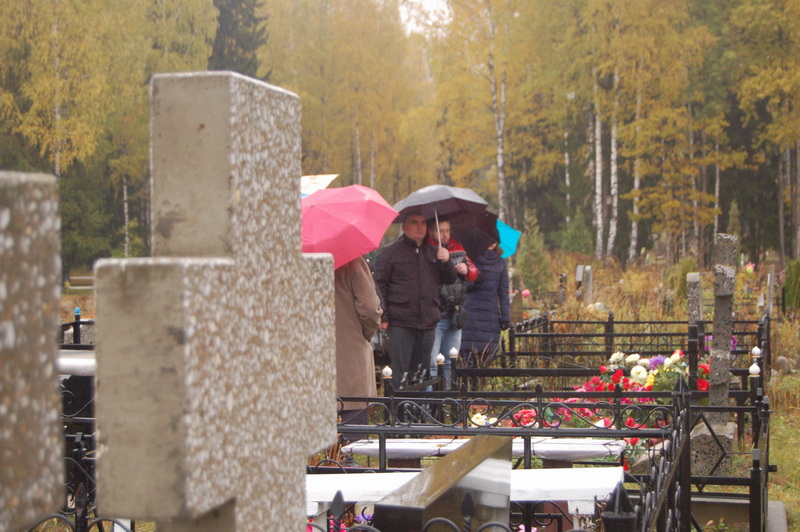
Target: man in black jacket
408	273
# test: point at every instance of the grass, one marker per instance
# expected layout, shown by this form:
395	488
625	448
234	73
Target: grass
784	435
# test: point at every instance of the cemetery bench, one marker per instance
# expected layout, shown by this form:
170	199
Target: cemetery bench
555	452
578	487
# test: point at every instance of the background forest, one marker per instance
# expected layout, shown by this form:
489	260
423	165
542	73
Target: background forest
611	127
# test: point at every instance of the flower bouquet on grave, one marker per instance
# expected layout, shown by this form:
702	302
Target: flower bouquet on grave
635	373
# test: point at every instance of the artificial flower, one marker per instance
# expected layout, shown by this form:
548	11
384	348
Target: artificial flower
639	374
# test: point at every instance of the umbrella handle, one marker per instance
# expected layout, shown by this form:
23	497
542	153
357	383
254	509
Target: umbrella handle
436	215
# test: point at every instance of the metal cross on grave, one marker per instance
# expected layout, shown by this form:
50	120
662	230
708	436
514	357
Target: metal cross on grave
215	358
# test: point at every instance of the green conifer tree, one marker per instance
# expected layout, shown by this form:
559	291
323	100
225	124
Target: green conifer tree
240	33
534	260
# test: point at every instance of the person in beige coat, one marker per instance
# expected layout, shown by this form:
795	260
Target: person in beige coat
358	316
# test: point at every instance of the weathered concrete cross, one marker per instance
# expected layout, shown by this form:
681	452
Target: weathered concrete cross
216	357
31	441
724	278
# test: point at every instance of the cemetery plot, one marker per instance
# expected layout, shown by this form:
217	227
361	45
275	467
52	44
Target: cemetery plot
556	352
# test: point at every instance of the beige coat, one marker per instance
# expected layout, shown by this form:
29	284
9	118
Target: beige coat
358	316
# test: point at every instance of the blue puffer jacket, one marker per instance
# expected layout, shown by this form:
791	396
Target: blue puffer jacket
487	305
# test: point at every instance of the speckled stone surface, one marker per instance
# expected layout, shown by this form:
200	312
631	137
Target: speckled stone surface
725	249
216	357
708	448
724	276
31	445
694	297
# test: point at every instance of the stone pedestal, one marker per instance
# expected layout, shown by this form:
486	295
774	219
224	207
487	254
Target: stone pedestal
708	448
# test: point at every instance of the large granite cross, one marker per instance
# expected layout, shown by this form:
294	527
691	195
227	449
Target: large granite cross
31	441
215	358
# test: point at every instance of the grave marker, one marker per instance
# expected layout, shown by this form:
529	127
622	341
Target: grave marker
588	288
770	289
215	358
31	444
707	447
724	277
694	295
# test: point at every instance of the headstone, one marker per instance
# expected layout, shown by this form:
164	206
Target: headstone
724	277
479	471
517	308
783	365
694	297
31	444
588	297
770	289
215	358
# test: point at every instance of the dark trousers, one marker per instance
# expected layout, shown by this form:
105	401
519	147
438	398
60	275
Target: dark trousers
410	350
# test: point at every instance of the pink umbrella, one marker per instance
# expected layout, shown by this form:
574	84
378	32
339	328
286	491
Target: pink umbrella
345	222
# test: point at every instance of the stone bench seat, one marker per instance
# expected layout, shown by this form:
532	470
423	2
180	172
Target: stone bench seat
556	449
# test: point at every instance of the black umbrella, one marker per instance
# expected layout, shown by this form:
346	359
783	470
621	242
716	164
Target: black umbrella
475	231
441	200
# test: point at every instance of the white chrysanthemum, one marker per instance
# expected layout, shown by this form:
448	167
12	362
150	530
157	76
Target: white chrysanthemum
668	363
617	357
639	374
632	359
479	419
644	362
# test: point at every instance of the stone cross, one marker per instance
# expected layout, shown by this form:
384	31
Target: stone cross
724	277
215	357
31	441
587	286
694	298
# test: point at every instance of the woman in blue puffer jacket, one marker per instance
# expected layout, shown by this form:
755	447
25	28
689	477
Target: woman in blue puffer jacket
487	304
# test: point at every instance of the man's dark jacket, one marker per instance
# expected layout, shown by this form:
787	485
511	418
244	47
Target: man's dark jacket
408	277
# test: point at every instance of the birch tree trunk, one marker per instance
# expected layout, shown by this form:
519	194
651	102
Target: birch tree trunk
781	211
598	178
125	215
499	112
566	166
794	176
716	187
372	160
637	179
695	184
613	177
792	199
57	99
358	154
